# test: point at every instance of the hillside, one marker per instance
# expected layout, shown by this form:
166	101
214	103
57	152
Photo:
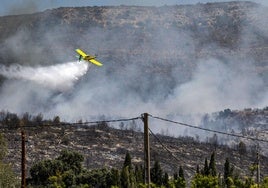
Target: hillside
152	56
168	34
180	62
105	147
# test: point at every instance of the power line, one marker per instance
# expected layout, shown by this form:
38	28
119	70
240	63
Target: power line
162	144
96	123
53	124
132	119
208	130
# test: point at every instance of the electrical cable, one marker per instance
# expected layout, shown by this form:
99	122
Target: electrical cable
161	143
208	130
71	124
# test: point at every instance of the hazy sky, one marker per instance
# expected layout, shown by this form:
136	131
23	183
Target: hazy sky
9	7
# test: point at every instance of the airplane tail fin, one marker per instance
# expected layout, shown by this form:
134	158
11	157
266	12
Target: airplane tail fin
79	57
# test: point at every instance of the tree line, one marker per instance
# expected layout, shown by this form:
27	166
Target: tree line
66	170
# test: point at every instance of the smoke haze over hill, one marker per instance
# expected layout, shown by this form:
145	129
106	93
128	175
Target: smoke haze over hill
31	6
150	69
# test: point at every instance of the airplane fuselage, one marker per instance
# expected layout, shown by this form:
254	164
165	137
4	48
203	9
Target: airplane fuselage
89	58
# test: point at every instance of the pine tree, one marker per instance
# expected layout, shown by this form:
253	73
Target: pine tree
71	160
180	183
200	181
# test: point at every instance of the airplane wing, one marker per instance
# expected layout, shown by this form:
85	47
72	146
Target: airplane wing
80	52
94	61
88	57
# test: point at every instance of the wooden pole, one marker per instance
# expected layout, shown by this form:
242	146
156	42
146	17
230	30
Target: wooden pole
258	168
146	150
23	160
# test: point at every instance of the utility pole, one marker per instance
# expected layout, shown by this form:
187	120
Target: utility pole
258	168
258	162
146	150
23	159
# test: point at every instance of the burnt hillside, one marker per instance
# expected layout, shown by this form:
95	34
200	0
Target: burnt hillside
105	147
153	61
170	35
148	52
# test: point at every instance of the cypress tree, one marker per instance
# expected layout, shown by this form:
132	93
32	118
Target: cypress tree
242	148
127	161
115	177
125	182
165	179
181	173
206	169
212	165
228	173
132	179
139	174
226	169
156	174
175	176
197	169
128	177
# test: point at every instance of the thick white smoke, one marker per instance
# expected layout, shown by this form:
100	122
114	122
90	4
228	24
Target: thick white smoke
59	77
216	86
167	88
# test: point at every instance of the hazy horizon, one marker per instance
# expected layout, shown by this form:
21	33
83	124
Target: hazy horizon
16	7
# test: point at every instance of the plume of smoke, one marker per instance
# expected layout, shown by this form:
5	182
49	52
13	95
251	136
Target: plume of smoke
217	85
59	77
137	85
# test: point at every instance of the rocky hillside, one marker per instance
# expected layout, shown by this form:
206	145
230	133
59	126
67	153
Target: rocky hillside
162	45
244	120
149	51
104	146
145	35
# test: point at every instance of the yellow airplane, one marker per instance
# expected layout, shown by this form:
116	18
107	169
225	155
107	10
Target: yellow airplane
89	58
